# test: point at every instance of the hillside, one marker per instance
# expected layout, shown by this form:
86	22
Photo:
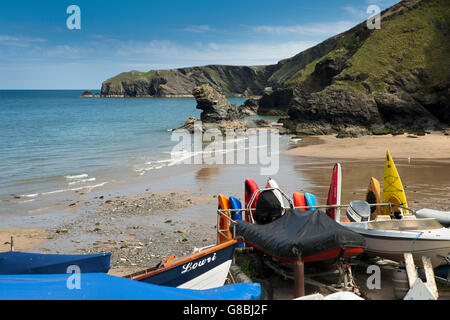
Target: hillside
363	80
376	81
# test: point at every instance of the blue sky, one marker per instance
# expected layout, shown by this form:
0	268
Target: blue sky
38	51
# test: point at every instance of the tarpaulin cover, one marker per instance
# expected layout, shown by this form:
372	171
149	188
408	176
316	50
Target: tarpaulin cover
299	233
13	262
100	286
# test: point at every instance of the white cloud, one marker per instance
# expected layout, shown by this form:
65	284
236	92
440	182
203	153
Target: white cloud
313	29
198	29
19	41
170	54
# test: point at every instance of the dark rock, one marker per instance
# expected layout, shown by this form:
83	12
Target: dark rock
276	103
215	106
250	107
87	94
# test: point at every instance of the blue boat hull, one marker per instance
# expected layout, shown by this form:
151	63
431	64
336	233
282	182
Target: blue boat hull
35	263
98	286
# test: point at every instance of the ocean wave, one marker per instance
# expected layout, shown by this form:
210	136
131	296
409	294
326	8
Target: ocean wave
80	176
34	195
81	181
179	157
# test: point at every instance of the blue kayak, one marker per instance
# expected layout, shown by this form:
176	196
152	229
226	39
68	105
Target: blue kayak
311	200
13	262
100	286
236	215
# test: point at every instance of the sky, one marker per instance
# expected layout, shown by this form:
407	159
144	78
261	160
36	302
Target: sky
39	51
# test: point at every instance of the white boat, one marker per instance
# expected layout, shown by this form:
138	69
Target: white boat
442	216
391	238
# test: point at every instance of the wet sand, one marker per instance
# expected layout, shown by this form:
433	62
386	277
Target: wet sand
173	210
431	146
23	238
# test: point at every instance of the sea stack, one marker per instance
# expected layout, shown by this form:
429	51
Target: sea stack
217	112
87	94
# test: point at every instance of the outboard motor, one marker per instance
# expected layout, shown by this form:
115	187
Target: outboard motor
358	211
268	208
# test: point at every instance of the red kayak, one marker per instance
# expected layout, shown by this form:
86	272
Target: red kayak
334	194
250	188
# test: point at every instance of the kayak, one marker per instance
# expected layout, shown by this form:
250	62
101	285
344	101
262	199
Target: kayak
373	195
334	193
393	191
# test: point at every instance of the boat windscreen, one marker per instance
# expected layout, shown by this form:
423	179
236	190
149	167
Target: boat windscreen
405	225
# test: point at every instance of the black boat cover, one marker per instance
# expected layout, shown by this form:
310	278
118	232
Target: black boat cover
268	207
299	233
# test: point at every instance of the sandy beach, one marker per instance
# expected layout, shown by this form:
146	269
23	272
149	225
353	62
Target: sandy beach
171	214
431	146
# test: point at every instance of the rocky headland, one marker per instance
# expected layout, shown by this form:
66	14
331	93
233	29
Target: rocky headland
389	80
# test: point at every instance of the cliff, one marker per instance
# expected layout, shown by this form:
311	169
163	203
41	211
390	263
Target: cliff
229	80
391	79
362	80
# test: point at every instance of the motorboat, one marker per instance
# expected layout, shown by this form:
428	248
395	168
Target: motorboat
391	238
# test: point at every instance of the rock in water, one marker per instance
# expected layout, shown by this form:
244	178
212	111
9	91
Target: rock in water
218	112
87	94
215	106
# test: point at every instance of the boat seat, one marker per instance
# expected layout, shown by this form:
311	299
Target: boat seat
383	218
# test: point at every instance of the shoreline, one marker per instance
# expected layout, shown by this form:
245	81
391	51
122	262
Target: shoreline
434	146
169	212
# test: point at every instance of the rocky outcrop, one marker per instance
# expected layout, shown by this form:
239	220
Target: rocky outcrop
86	94
250	107
217	111
276	103
215	106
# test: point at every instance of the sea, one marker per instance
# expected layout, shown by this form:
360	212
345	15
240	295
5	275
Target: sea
53	142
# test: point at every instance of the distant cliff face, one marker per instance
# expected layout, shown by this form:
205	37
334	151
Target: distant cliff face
396	77
229	80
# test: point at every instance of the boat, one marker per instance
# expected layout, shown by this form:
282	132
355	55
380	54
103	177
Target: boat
373	196
311	235
100	286
391	238
223	222
393	191
442	216
205	269
250	191
13	262
334	193
299	200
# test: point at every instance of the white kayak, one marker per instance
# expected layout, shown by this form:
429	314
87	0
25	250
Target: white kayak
442	216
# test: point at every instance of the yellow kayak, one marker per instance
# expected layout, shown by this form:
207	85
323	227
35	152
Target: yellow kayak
393	191
373	195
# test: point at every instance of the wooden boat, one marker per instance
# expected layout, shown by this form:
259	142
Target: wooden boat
100	286
205	269
13	262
